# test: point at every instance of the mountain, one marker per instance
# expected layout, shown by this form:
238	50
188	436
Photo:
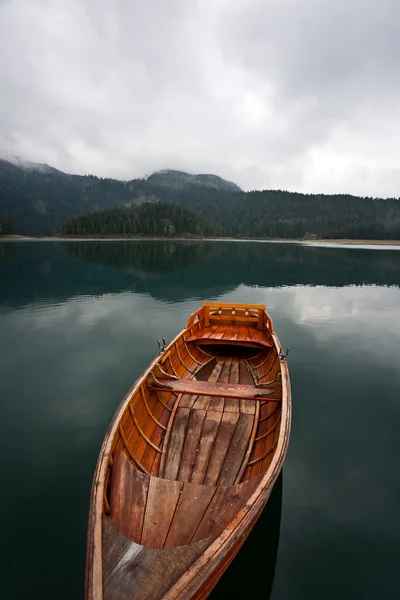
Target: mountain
28	165
39	199
179	180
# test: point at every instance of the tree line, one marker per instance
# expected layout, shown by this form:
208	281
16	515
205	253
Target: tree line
265	214
6	227
148	218
281	214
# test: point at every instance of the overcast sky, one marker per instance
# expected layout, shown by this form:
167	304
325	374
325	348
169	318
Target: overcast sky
268	93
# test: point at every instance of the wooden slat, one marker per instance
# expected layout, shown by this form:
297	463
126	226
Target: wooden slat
216	304
233	319
209	331
237	450
269	375
226	369
221	445
182	354
117	551
226	503
204	403
190	448
132	571
171	456
219	331
187	400
161	460
162	498
193	503
239	476
208	436
234	374
232	404
145	426
254	334
248	406
239	342
259	360
233	333
246	377
268	415
128	497
268	370
158	437
208	388
219	403
195	349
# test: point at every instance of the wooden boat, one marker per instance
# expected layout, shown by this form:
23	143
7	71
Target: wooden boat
189	459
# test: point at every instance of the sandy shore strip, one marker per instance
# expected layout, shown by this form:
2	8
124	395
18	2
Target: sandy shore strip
199	239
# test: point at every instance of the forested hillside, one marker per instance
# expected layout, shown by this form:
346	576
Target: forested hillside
290	215
278	214
6	227
39	200
149	218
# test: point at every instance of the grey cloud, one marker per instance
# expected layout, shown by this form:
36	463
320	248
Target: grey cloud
270	94
320	47
331	63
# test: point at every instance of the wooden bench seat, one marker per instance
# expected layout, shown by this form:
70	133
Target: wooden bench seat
215	389
247	335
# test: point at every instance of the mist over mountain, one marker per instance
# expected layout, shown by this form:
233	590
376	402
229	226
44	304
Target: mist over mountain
179	180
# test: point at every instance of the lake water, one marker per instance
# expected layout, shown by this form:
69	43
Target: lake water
78	324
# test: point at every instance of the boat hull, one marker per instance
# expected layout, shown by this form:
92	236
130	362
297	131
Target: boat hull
194	565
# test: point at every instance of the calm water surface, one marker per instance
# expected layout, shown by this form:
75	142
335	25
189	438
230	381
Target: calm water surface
79	322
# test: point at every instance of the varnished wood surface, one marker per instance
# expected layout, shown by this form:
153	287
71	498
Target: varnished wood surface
227	333
128	497
219	459
171	513
132	572
216	390
196	459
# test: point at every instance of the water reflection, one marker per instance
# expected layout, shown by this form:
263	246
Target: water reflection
80	325
173	271
252	572
7	250
249	263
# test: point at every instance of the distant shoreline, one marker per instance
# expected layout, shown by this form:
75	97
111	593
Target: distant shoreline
355	242
120	238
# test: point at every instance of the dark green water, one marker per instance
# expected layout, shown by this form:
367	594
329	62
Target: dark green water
79	322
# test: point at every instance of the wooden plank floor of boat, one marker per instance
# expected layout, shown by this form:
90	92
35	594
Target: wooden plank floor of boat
198	490
209	437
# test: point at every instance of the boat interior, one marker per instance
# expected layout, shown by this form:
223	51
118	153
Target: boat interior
198	432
